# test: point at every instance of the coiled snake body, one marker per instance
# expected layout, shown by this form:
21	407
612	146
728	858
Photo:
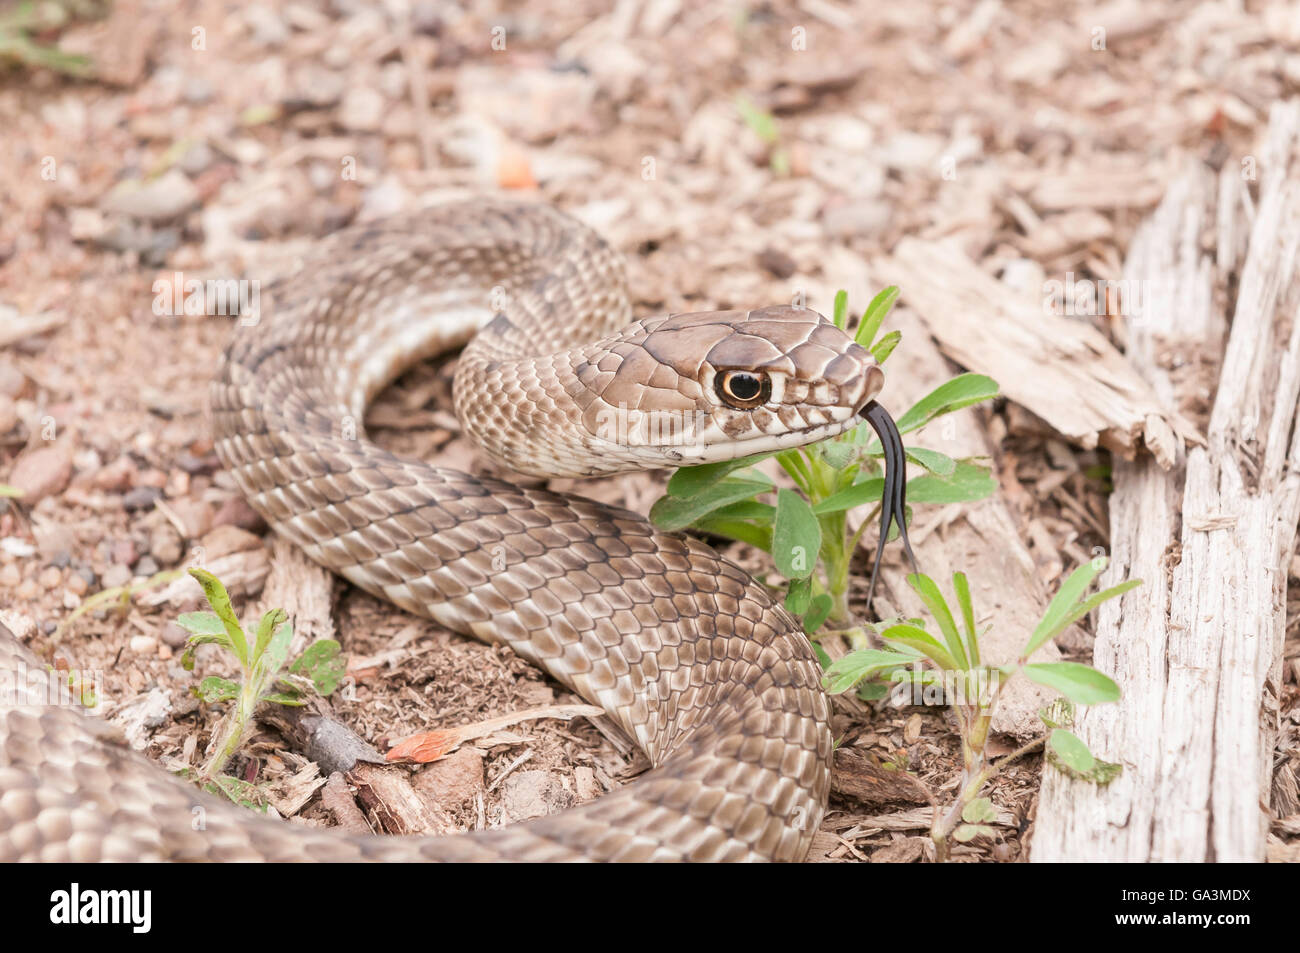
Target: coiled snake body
689	655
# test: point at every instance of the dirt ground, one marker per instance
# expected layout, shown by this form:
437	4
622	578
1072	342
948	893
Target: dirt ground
218	140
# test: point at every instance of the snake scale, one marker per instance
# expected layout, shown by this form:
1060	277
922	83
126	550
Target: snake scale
689	655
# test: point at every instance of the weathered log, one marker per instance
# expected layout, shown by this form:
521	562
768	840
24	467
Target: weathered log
1197	650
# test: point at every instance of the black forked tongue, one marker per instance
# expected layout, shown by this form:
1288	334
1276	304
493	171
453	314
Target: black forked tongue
893	502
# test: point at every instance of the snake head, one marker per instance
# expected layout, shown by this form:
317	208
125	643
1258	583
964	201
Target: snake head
687	389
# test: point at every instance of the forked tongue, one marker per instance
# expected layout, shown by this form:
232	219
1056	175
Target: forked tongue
893	502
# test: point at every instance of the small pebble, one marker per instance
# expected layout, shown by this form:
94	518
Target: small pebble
143	644
42	472
165	652
50	577
12	381
118	476
124	552
116	575
62	559
165	544
141	498
146	566
28	590
235	512
195	465
8	414
77	584
173	635
10	577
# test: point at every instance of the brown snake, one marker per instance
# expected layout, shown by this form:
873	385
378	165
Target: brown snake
689	655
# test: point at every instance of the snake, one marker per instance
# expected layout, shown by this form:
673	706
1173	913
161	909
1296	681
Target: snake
691	657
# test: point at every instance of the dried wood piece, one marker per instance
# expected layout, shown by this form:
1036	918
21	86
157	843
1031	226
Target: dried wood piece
1198	722
1062	369
395	805
337	799
1077	820
304	590
859	776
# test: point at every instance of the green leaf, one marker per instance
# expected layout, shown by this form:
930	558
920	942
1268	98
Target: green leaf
324	663
754	511
817	613
760	537
962	588
674	513
868	491
962	391
203	623
1055	619
691	481
862	664
1082	684
1065	608
796	536
1059	713
285	698
762	123
885	346
12	492
214	689
799	596
265	628
837	454
239	791
923	642
968	482
934	601
979	811
875	314
219	600
1087	605
872	691
968	832
277	650
841	313
940	464
1071	750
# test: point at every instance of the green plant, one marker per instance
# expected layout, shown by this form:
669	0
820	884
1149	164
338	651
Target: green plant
320	668
20	25
950	669
763	125
806	531
115	598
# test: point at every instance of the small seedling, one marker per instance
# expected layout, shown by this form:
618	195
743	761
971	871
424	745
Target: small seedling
24	23
319	669
763	125
806	531
949	670
115	597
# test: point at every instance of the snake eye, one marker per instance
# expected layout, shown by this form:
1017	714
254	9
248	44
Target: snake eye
743	389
